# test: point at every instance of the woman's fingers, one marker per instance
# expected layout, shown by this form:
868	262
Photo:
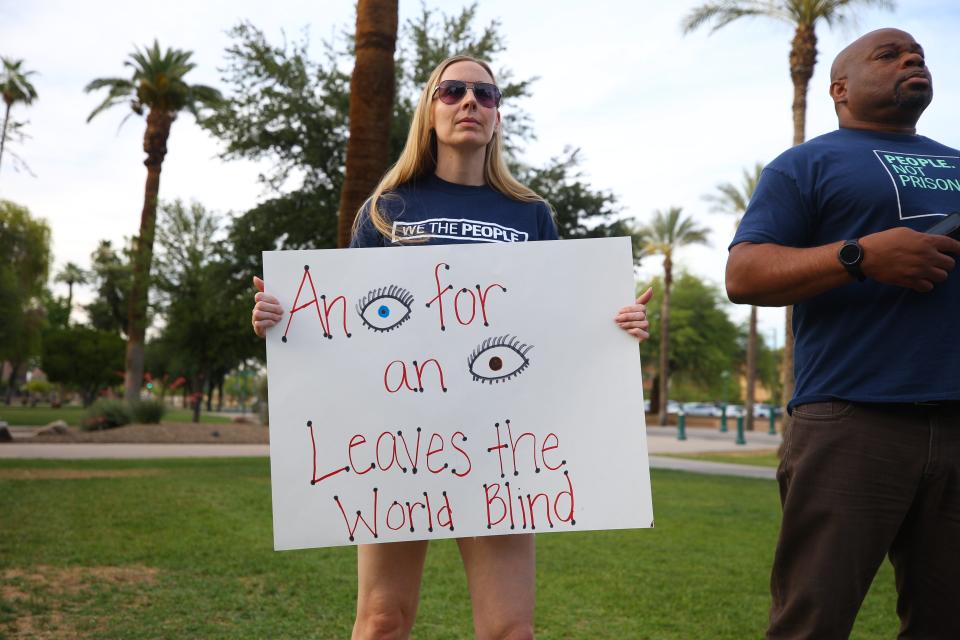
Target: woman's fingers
633	318
645	296
267	311
627	316
267	303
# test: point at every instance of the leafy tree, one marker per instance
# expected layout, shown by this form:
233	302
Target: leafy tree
71	274
733	199
201	331
704	342
293	111
15	87
371	104
55	309
158	85
668	231
581	212
84	358
110	273
803	16
25	247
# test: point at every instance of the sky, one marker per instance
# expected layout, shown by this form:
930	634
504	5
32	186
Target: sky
660	118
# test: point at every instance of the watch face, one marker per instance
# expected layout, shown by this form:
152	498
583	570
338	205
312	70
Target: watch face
851	253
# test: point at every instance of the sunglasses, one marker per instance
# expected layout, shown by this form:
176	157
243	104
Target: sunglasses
453	91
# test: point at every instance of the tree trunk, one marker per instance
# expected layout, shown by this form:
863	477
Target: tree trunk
371	107
210	386
751	369
220	394
3	133
665	341
655	395
803	59
786	371
69	301
198	396
11	381
155	146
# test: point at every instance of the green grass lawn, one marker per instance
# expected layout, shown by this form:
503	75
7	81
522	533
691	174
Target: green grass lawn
41	415
760	458
183	549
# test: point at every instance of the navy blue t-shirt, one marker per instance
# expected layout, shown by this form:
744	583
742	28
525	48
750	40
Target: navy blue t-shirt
865	341
433	211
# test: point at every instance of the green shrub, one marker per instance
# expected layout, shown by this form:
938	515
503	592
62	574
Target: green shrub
148	411
37	386
106	414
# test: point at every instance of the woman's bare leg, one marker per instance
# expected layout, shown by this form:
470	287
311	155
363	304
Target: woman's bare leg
388	589
501	574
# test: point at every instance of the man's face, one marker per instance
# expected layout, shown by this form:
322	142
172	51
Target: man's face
885	79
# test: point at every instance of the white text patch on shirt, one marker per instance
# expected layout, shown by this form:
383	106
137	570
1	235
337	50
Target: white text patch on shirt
456	229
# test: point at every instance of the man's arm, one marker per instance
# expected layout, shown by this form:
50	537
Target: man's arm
775	275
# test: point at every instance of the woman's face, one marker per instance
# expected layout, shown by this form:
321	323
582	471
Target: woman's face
466	124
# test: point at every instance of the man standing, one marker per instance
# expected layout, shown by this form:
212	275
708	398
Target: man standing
871	465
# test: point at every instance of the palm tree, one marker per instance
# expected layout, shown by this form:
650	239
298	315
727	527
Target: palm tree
731	198
157	84
71	274
803	16
15	87
667	232
371	106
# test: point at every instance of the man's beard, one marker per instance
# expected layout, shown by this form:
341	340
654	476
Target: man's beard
913	100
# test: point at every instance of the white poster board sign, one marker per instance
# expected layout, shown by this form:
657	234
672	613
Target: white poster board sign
454	390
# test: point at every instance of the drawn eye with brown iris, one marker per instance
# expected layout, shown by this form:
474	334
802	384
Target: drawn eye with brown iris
498	359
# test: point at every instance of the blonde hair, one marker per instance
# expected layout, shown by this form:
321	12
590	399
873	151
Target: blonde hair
419	157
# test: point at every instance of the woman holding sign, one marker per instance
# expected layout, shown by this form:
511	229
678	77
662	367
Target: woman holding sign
451	185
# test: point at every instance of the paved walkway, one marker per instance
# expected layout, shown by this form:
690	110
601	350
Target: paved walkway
660	440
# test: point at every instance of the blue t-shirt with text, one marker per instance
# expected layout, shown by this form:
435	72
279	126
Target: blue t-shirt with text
864	341
433	211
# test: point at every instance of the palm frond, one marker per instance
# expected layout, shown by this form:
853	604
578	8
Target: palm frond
157	82
720	14
669	230
14	84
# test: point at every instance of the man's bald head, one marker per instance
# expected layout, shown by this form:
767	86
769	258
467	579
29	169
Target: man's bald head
860	46
880	81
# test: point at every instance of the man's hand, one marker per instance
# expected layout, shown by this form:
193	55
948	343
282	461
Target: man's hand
908	258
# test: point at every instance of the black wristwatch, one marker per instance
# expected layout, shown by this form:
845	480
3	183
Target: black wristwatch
851	257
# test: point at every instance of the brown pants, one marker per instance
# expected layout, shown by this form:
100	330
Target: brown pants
859	482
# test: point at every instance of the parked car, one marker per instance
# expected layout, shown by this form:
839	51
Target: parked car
701	409
763	411
672	407
735	410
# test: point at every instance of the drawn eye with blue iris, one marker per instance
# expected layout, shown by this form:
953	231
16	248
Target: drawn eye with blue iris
386	308
497	360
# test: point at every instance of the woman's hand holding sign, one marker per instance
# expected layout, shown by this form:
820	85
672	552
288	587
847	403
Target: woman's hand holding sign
266	309
633	318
